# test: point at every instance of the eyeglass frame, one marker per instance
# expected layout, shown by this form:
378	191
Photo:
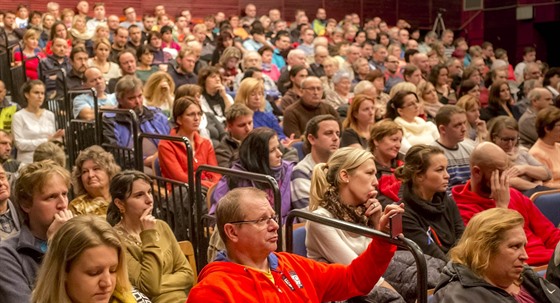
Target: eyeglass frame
258	222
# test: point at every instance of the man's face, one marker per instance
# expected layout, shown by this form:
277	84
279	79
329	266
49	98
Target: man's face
412	44
113	22
312	92
274	15
94	79
455	69
392	64
447	38
148	23
4	185
187	14
321	55
533	72
135	34
83	7
321	14
121	38
130	14
187	63
456	129
181	22
2	91
132	99
367	51
59	47
500	164
380	55
297	59
9	20
127	62
308	36
251	11
5	147
488	52
530	57
422	62
159	10
240	127
544	101
79	63
283	43
99	12
353	54
328	138
403	36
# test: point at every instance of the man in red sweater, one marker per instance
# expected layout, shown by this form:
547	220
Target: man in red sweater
489	188
250	270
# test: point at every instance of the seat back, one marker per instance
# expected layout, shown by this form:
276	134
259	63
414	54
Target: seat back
299	240
188	251
548	202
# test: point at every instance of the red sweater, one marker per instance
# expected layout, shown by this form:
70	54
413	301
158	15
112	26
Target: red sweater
296	279
173	159
542	236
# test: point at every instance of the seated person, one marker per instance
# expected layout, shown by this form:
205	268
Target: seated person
489	188
50	151
156	265
183	72
117	128
214	98
431	219
259	153
82	243
308	106
91	177
247	224
172	155
239	122
83	104
322	139
358	122
342	94
252	59
7	108
539	98
339	188
489	264
10	165
8	213
404	108
547	149
41	192
58	60
529	174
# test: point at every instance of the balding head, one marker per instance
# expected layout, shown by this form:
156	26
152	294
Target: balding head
486	158
540	98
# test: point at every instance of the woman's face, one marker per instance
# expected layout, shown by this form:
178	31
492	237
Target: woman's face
343	86
473	114
212	82
384	40
234	21
410	108
102	51
507	139
94	177
48	22
362	183
189	121
274	153
506	264
35	96
416	77
475	76
147	58
167	37
92	275
267	57
103	32
430	94
232	62
330	69
388	147
61	31
435	179
32	42
360	38
36	20
227	42
139	201
396	52
80	24
504	93
302	74
475	92
366	113
155	42
255	100
443	76
379	84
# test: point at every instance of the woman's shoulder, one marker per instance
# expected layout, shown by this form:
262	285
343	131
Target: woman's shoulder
321	211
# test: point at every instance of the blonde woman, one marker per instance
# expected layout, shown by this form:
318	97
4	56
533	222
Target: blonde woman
159	92
102	49
79	29
476	127
251	93
86	259
429	98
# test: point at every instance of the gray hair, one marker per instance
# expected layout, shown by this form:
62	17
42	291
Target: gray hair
340	75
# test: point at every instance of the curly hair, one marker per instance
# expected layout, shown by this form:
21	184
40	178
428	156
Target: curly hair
100	157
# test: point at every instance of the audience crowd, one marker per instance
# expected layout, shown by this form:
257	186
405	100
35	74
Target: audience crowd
355	119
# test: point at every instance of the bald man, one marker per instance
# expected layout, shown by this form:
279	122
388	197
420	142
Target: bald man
539	98
489	188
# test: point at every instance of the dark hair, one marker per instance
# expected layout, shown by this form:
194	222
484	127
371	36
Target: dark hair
528	49
444	114
224	34
465	87
264	49
121	188
293	72
434	73
180	105
53	30
77	50
409	53
141	50
165	29
28	86
546	120
408	70
204	73
416	162
312	128
397	102
254	151
553	71
494	94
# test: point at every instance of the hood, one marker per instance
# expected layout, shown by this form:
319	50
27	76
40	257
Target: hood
435	207
462	194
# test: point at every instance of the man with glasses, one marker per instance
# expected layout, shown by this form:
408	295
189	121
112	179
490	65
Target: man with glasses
130	18
250	270
451	122
489	188
539	98
310	104
392	73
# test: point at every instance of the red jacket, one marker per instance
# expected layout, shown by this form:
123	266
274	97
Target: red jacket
542	236
296	279
173	159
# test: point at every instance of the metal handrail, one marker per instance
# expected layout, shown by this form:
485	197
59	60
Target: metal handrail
401	242
135	130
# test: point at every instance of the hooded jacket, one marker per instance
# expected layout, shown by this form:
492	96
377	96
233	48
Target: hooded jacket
542	236
296	279
459	284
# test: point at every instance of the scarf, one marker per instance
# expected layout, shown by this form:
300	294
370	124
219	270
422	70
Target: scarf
353	214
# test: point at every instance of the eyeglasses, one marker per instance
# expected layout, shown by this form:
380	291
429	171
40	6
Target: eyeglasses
508	139
415	104
259	222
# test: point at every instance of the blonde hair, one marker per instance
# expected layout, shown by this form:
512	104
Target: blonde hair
351	121
423	86
402	86
153	93
482	237
327	174
30	33
246	88
74	237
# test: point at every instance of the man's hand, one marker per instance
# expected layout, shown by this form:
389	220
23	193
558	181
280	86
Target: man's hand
59	219
499	184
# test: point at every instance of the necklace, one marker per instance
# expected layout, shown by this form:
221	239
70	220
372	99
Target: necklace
130	237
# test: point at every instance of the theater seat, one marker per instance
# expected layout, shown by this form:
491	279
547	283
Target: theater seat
299	247
548	202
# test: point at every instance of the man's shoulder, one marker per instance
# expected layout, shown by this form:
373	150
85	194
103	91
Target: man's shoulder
306	165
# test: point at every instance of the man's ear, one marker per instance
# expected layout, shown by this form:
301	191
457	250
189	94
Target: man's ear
231	233
311	139
441	129
476	172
